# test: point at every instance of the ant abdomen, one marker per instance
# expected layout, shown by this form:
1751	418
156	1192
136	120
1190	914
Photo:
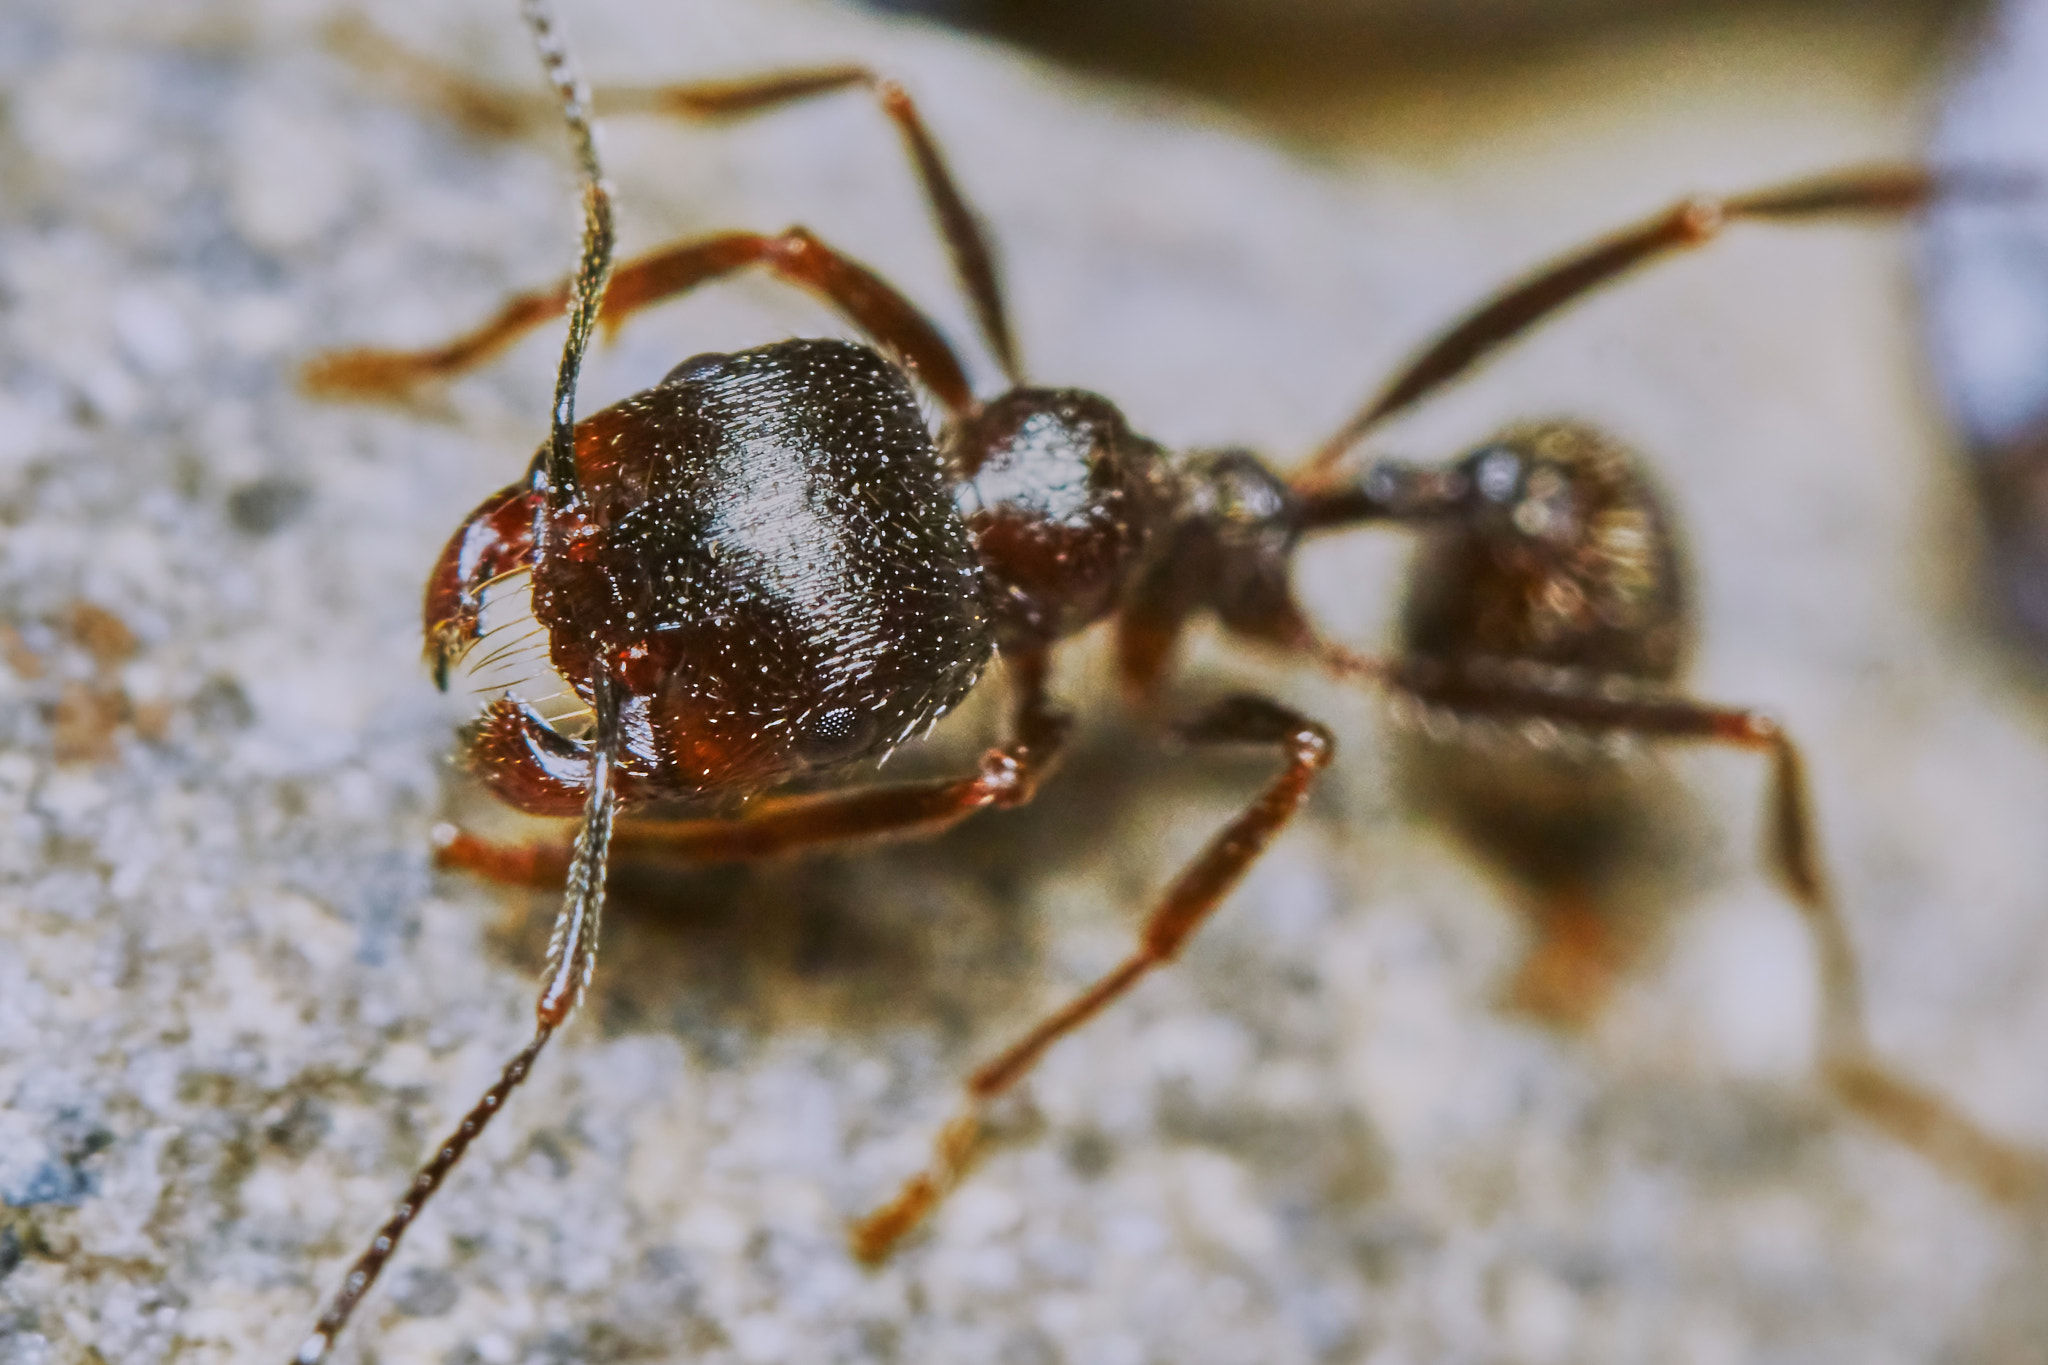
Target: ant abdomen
1563	556
765	559
1560	574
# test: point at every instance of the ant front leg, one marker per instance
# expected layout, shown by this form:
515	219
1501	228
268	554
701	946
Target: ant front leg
1690	223
1007	776
497	113
1202	885
1910	1113
859	295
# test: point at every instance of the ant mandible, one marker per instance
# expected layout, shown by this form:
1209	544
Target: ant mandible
765	569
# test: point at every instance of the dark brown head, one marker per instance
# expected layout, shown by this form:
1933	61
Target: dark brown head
765	557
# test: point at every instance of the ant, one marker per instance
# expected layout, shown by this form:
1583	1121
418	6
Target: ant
765	573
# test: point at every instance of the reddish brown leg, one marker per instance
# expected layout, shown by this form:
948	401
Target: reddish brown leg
966	243
796	256
487	110
1910	1113
1186	905
1007	776
499	113
1689	223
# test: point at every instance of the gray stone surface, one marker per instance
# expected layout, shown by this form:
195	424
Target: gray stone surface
235	1005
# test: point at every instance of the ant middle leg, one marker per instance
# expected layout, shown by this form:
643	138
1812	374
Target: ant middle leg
1307	748
1690	223
493	112
1908	1112
799	258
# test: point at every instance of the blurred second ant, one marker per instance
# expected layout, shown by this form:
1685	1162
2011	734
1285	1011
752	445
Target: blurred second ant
766	569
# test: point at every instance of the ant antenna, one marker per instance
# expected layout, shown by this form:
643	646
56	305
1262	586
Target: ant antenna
572	948
594	266
572	956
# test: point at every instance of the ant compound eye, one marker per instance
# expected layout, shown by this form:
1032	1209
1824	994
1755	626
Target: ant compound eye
838	733
1497	471
700	366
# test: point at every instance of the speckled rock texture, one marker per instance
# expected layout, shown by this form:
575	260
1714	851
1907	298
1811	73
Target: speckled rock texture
236	1003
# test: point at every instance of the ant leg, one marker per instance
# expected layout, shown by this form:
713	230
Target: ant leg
1690	223
966	243
1148	628
486	110
795	256
1007	777
498	113
1201	886
1910	1113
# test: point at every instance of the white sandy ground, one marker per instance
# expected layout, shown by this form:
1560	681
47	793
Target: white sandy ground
235	1005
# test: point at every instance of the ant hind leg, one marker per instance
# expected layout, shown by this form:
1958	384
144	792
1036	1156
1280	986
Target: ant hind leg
1882	191
1864	1084
1187	904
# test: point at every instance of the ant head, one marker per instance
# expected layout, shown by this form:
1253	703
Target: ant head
764	558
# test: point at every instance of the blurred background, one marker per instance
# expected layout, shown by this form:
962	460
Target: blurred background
1413	78
234	998
1446	89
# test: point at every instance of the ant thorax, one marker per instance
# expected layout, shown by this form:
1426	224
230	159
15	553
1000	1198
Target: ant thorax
1063	500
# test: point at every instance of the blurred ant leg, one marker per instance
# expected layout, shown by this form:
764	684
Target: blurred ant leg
493	112
1910	1113
1690	223
486	110
1149	627
795	256
2004	1172
1008	776
1201	886
966	244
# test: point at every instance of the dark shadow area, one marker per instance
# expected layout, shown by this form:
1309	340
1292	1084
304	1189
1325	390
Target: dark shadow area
1597	856
1311	69
936	931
